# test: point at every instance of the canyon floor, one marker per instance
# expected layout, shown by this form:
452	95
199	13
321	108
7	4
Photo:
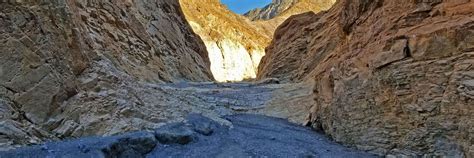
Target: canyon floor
244	123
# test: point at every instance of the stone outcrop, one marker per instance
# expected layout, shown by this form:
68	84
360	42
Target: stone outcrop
271	10
286	8
272	15
391	77
234	44
69	68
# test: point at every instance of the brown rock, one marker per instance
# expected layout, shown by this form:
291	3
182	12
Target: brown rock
274	14
54	54
275	8
391	77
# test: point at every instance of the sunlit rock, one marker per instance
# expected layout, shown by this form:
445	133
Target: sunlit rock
235	45
230	61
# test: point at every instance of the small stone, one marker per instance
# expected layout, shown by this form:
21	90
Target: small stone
468	83
269	81
66	128
390	156
423	7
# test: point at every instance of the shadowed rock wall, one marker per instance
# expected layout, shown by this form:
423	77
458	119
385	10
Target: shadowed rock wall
54	51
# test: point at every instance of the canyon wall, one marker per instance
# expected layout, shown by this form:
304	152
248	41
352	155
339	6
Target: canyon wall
272	15
390	77
75	68
234	44
287	8
271	10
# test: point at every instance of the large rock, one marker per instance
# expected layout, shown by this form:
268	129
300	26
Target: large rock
392	77
176	133
137	144
65	64
201	124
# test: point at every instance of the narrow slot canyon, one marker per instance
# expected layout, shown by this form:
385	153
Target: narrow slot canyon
225	78
235	45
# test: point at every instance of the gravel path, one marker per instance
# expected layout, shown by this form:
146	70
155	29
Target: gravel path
249	136
232	133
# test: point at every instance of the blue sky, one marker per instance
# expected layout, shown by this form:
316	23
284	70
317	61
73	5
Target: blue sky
242	6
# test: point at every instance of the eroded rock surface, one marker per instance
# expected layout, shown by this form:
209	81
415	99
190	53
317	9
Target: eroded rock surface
135	106
391	77
76	68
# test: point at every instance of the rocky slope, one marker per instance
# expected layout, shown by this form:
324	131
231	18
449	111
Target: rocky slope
391	77
75	68
234	44
286	8
272	15
271	10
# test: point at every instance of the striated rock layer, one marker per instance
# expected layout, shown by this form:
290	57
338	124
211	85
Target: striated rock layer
74	68
272	15
271	10
391	77
286	8
234	44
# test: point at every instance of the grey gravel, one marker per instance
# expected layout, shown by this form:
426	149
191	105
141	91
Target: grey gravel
249	136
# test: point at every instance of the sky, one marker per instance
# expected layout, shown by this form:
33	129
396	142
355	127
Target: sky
242	6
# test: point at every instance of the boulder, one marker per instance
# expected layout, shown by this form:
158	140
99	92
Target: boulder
176	133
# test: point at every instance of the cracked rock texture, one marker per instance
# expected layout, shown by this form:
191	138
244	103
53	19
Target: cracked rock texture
391	77
74	68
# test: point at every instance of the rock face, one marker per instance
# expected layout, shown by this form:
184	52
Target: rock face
271	10
234	44
391	77
67	68
286	8
272	15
